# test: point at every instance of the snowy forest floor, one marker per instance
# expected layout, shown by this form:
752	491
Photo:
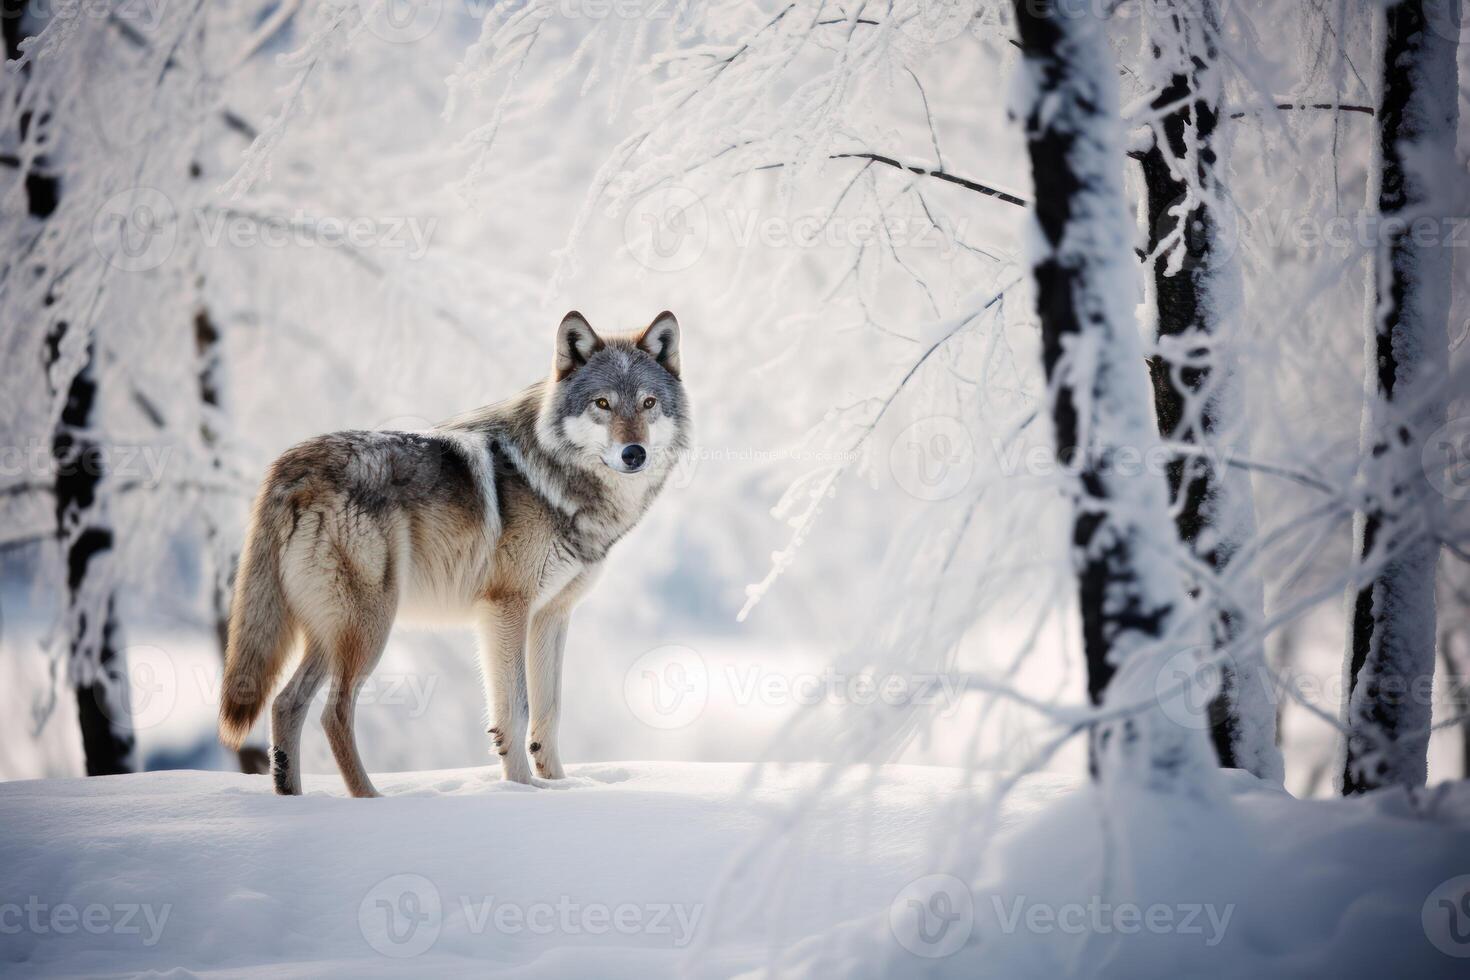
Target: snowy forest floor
613	871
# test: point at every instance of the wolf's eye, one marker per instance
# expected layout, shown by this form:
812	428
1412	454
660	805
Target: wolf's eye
649	402
603	404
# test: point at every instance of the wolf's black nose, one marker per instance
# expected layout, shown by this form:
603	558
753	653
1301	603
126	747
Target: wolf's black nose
634	456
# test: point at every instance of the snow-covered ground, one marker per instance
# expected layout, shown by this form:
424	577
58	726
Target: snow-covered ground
649	869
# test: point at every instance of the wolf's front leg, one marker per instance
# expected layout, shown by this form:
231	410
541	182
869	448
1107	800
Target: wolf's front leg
503	647
548	640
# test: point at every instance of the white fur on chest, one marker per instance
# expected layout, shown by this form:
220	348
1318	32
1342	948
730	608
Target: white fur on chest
625	498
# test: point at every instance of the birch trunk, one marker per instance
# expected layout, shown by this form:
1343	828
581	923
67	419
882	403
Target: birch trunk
1390	656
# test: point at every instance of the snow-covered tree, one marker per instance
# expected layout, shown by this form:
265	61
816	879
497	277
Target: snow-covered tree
1391	645
1131	602
1197	302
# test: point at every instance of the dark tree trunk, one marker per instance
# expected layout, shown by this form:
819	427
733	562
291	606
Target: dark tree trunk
1196	400
97	662
1093	364
42	186
1390	657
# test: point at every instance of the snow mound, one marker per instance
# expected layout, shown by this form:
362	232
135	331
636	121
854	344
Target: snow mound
613	873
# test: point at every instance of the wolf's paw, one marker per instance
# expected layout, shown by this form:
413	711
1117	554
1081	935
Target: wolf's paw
547	759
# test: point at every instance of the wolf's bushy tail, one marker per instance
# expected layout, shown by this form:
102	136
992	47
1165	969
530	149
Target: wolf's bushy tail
261	627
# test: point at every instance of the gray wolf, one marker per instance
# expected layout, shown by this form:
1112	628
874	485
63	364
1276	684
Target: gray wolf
500	518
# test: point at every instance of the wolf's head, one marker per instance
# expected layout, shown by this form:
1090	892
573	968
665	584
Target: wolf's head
617	401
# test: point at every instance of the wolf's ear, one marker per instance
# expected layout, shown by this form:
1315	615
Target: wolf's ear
576	341
661	339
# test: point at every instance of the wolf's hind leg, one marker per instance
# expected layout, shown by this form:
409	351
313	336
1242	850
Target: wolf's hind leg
358	650
543	674
288	717
503	649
